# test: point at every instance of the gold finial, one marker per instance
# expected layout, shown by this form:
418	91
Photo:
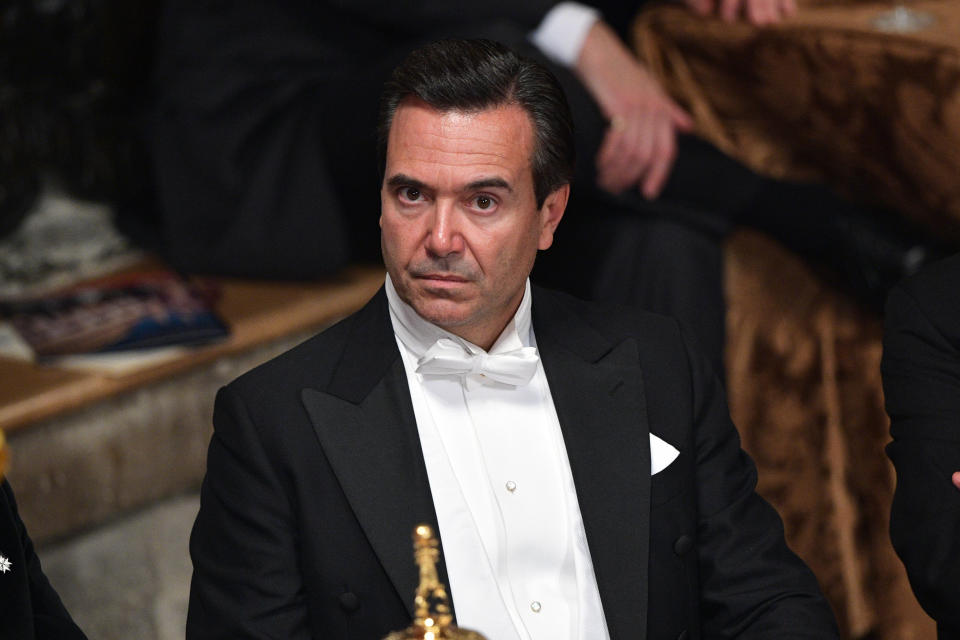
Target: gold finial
432	619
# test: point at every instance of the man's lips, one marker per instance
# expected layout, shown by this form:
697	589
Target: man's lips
440	282
444	277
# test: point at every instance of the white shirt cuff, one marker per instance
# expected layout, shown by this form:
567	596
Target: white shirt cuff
561	33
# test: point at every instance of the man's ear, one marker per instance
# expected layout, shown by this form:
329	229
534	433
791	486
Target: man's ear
380	220
550	214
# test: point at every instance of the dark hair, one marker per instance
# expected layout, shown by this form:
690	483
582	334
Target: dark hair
474	75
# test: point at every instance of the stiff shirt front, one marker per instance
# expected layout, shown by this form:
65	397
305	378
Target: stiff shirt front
512	536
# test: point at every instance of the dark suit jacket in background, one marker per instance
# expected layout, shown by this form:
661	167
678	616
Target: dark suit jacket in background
316	479
30	609
921	384
266	123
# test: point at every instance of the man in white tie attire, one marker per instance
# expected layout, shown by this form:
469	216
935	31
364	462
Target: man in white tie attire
577	461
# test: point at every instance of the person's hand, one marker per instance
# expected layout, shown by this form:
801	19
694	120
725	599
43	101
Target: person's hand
758	12
956	479
640	144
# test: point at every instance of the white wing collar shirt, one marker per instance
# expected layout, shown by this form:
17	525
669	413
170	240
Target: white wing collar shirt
513	538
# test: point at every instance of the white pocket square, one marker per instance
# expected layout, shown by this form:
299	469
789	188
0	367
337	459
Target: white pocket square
661	454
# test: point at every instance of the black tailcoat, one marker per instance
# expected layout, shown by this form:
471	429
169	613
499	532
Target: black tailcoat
316	480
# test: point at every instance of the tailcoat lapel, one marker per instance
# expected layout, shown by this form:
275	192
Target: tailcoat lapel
597	388
365	422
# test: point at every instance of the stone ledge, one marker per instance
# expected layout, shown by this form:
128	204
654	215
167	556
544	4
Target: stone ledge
78	470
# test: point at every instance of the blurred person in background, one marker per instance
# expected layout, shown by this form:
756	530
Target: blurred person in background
265	157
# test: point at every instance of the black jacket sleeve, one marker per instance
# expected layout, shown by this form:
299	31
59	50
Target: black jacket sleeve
921	383
246	578
751	584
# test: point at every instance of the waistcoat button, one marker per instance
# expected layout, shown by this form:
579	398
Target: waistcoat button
682	545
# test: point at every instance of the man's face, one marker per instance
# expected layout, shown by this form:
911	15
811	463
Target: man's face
459	219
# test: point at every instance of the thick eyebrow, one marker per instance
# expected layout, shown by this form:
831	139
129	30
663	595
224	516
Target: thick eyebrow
403	180
488	183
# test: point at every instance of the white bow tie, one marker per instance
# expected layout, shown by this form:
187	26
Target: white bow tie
446	357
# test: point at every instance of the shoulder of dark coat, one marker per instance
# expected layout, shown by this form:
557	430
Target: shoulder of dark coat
309	364
617	322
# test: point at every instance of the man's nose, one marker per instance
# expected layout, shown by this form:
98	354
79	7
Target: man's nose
444	236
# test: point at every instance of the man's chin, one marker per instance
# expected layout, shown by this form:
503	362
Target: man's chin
428	291
448	305
444	313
